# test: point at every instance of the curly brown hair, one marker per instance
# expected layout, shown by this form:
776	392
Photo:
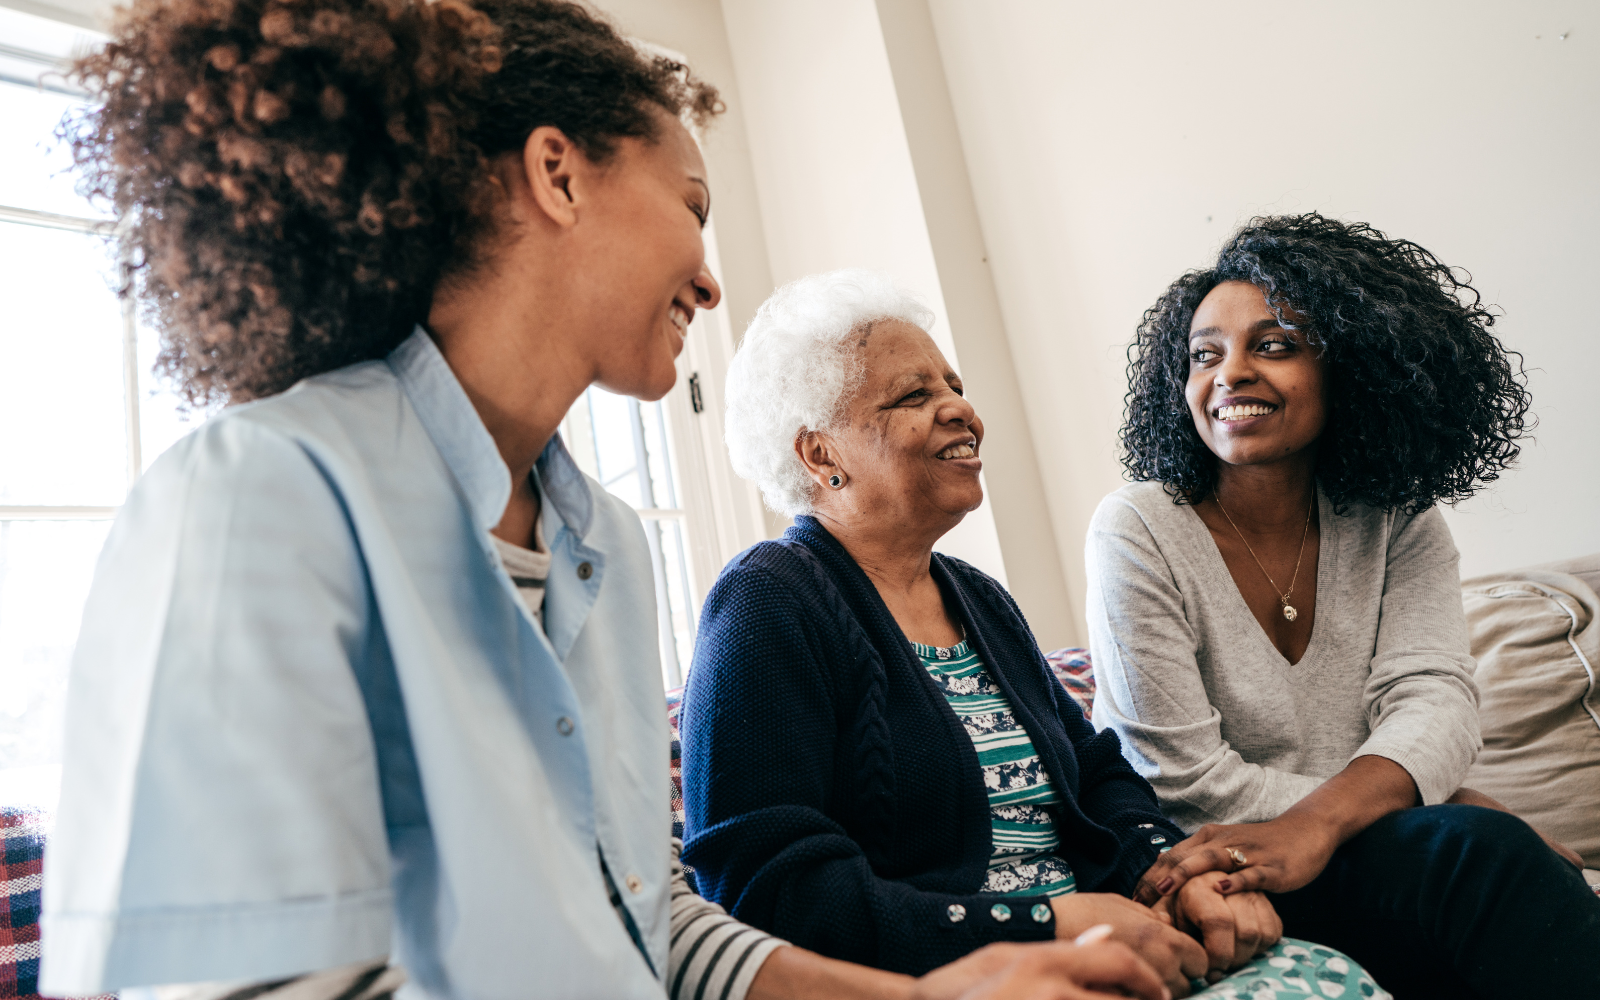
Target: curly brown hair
295	177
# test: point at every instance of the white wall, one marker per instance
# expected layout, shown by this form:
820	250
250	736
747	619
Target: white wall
1107	148
1112	146
834	171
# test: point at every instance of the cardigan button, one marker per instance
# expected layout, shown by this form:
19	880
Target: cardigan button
1041	913
1000	912
956	912
585	570
1158	840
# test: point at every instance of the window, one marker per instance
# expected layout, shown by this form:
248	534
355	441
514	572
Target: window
667	460
81	418
78	420
625	445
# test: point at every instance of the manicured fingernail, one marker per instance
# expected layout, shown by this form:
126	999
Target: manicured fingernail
1225	885
1094	935
1166	884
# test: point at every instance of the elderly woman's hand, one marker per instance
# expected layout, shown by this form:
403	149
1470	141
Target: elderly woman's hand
1050	971
1234	928
1175	956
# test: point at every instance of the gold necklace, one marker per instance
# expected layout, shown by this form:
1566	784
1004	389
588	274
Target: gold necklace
1288	611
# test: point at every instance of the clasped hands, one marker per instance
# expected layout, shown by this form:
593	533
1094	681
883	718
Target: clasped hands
1232	928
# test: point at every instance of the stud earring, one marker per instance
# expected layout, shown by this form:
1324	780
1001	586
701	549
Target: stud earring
836	481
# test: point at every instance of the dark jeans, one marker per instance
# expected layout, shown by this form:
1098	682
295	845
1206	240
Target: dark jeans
1457	902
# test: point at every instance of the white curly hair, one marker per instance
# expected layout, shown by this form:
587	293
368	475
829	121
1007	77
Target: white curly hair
795	368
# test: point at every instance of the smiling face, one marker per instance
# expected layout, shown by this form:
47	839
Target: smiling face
907	443
1256	389
647	273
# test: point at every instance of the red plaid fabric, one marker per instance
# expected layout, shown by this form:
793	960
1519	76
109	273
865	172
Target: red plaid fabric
674	706
23	835
1075	671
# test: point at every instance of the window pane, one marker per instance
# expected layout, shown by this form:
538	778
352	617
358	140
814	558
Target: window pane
162	420
35	167
625	444
614	434
61	394
659	454
677	575
45	570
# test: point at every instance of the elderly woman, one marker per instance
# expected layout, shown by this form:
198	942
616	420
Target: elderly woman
878	764
1276	617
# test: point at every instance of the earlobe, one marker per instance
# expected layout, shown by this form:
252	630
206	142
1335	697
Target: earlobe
814	454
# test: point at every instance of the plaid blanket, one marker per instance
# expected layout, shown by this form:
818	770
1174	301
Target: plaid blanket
23	834
1074	670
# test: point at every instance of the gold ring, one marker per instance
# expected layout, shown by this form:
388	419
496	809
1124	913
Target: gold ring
1238	857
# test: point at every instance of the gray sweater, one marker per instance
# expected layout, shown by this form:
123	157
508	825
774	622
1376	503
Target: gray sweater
1225	728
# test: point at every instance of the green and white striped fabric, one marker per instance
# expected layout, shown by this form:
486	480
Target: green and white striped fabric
1023	861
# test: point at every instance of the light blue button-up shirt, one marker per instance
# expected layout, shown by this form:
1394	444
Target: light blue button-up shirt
310	722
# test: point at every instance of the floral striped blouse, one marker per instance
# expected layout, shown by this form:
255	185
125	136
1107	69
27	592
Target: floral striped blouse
1023	861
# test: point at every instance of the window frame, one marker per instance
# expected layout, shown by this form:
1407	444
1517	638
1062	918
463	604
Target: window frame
132	442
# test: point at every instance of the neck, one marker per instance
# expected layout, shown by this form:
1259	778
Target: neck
895	558
1269	498
515	357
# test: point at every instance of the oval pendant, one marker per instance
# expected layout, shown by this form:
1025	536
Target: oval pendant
1290	613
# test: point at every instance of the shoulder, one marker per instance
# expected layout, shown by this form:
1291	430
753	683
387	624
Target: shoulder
1399	536
778	586
343	407
331	411
1141	517
783	562
278	458
1136	507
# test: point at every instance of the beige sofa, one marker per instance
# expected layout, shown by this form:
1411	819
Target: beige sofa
1536	637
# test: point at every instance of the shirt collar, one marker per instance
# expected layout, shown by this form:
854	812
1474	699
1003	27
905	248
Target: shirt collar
452	422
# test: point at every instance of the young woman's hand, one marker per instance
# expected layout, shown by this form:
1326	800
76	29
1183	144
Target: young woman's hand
1279	856
1053	970
1290	851
1234	929
1175	956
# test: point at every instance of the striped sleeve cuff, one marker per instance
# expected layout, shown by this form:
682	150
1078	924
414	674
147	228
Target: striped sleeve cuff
713	956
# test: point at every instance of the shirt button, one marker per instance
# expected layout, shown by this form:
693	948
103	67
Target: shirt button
956	912
585	570
564	726
1000	912
1041	913
635	884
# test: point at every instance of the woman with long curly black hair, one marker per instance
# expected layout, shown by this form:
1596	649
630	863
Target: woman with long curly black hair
1275	614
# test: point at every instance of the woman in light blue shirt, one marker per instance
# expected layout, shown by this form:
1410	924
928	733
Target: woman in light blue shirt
315	731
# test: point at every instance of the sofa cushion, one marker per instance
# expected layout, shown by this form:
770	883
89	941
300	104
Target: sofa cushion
1536	639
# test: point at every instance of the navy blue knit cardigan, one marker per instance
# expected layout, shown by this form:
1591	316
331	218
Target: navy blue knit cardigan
832	798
